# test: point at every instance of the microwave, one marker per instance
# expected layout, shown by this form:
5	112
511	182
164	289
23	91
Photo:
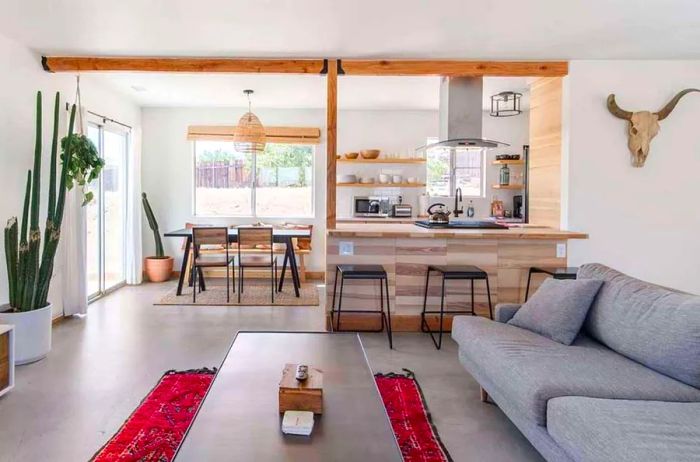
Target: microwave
370	206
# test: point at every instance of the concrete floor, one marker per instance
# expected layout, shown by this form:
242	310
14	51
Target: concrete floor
65	407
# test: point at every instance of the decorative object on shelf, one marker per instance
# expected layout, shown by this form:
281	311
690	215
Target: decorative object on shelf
504	175
295	395
370	153
158	267
249	136
7	358
397	179
29	266
507	156
505	104
643	125
383	178
349	178
351	155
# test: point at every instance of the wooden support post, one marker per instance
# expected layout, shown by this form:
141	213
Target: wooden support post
331	140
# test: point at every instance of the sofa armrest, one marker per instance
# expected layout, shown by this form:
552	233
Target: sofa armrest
505	311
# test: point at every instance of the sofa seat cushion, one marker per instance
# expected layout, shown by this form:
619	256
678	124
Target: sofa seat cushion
530	369
592	430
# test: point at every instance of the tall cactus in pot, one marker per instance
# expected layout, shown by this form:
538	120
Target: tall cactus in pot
29	265
158	268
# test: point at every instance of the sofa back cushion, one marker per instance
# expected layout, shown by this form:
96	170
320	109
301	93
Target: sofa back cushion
650	324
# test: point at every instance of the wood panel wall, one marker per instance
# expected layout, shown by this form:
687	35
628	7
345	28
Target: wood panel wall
406	261
545	151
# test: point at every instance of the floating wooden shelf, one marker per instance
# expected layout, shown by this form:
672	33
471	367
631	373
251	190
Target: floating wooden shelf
508	162
382	161
507	186
380	185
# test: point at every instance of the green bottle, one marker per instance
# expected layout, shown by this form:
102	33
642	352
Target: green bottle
504	178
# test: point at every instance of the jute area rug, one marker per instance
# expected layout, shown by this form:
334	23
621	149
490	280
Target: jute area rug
255	293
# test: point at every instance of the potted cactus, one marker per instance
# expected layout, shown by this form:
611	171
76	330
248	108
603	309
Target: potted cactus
29	264
158	267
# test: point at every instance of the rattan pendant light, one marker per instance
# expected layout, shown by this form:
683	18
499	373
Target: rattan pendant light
249	136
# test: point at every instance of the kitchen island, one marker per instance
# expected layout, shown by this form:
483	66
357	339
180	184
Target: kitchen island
406	250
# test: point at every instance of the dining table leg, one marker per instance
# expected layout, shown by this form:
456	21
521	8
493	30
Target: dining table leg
284	270
291	257
183	267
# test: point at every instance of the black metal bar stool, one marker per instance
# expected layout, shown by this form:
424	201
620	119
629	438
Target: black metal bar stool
372	272
560	273
469	273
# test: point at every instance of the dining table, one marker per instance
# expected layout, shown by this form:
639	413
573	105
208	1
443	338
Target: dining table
279	235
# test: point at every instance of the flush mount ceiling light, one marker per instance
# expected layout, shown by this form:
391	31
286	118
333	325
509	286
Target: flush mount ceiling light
249	136
505	104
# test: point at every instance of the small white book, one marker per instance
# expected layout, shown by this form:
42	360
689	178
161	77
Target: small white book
298	423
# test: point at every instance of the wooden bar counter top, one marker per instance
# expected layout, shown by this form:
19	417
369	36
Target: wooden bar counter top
411	230
406	250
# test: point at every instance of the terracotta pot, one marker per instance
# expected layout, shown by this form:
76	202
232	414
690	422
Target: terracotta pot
32	333
158	269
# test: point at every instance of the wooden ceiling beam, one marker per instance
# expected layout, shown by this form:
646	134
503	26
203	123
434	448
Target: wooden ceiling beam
451	68
145	64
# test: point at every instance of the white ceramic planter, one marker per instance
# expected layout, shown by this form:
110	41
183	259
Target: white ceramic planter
32	333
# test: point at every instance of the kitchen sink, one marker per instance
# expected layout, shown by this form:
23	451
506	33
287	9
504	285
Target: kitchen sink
462	224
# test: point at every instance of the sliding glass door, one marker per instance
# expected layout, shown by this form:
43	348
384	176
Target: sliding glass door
106	214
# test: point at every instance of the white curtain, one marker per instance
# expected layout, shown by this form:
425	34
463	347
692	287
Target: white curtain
73	240
134	260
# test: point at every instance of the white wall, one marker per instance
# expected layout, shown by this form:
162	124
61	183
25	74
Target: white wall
167	170
20	78
642	221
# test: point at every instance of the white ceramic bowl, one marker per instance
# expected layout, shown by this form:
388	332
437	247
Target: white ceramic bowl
397	179
412	179
347	178
383	178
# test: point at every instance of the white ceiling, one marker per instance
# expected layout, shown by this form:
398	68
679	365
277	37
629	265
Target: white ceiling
288	91
459	29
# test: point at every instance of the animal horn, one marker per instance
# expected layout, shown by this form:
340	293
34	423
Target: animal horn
666	111
616	110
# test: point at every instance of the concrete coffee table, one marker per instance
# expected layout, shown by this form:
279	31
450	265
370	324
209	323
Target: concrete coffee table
239	418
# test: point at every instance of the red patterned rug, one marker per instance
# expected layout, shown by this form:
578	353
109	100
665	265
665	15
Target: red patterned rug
156	428
410	419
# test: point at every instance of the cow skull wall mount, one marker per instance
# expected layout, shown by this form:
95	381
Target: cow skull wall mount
643	125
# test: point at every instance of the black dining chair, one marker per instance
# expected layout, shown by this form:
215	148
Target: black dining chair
256	237
208	236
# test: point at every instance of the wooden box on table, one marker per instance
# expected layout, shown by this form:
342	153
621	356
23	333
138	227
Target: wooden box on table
301	396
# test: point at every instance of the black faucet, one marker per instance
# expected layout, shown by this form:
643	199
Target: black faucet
458	201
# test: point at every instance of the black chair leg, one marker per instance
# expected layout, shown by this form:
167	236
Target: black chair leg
527	288
423	323
240	282
228	297
473	310
340	302
194	284
442	314
381	303
488	294
388	314
272	284
335	289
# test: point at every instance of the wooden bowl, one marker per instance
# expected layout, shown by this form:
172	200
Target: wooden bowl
370	153
351	155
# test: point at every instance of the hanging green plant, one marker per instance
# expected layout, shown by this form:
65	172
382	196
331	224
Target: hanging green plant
85	163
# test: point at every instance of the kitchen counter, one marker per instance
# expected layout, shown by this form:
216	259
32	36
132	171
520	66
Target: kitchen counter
406	250
403	230
376	221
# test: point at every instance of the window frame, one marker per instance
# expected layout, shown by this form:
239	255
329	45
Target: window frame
452	184
253	187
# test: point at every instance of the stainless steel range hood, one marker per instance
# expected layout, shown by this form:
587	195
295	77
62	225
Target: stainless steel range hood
461	113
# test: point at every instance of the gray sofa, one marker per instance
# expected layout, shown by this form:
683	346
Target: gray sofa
627	389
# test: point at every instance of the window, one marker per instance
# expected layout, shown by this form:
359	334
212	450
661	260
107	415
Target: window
277	183
449	169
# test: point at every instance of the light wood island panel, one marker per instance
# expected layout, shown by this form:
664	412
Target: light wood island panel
405	251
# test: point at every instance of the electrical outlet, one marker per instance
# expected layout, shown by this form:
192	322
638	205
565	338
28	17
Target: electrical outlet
561	250
346	248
